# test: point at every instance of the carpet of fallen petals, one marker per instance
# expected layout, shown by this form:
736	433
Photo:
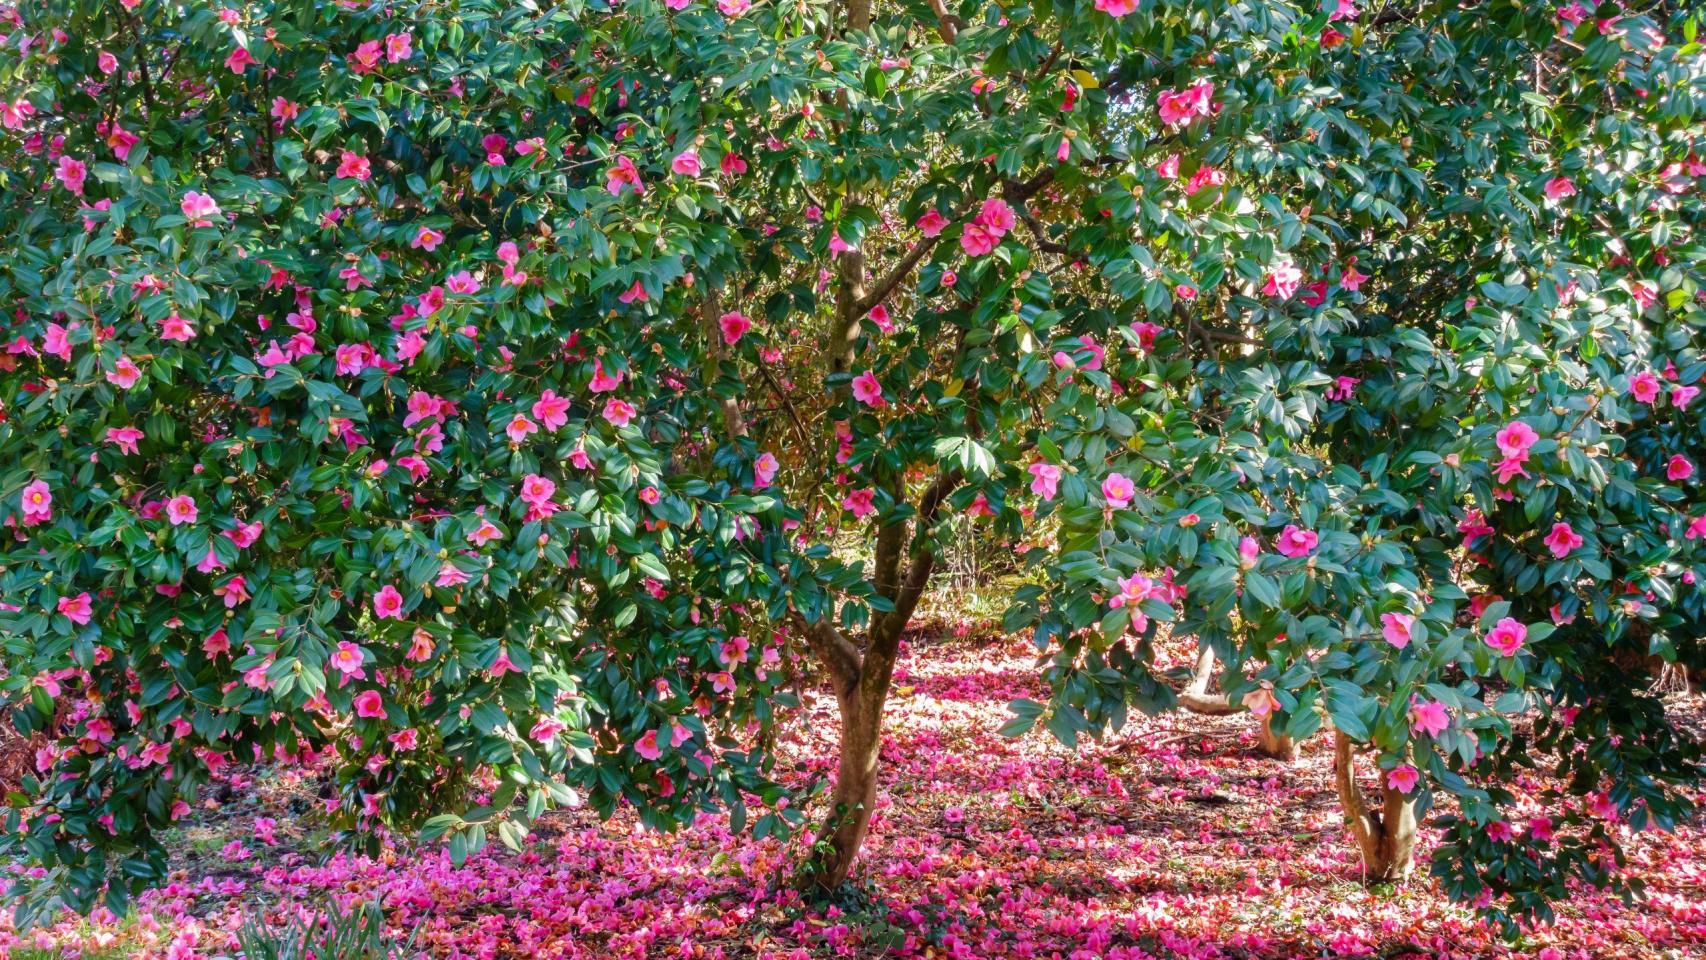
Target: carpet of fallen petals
1173	839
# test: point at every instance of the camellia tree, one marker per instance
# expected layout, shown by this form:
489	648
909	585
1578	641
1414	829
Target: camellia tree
513	401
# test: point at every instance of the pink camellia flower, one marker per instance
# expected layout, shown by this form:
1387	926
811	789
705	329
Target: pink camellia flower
1282	280
861	503
462	282
978	240
1045	479
181	509
124	373
106	62
1507	636
997	215
1146	333
1429	717
734	325
77	609
1678	467
1515	439
1249	548
686	163
1681	397
199	209
980	506
623	175
72	172
1560	188
1116	8
365	58
1261	701
1510	468
1206	176
37	503
347	659
176	328
354	166
1349	278
536	489
1294	541
398	47
1562	540
1342	388
1118	490
238	60
1644	387
764	470
603	382
551	411
388	603
546	730
1403	778
1397	628
427	239
868	390
56	341
519	428
125	439
619	412
1179	106
1645	293
647	746
370	704
932	223
233	591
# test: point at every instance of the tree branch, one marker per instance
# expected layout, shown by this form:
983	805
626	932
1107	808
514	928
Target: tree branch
1043	242
712	308
947	25
141	60
893	278
923	560
1013	191
1196	698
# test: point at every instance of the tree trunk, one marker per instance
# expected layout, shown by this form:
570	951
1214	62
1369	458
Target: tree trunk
1273	744
855	796
1197	699
1387	838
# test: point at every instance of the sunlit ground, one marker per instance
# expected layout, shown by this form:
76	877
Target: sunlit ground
1173	839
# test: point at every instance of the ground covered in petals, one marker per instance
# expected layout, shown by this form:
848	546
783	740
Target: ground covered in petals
1171	840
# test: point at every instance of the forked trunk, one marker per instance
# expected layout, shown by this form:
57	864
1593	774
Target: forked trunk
1196	698
1387	837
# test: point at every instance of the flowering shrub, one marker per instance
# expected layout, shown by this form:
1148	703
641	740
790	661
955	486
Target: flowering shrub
340	415
485	390
1412	410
